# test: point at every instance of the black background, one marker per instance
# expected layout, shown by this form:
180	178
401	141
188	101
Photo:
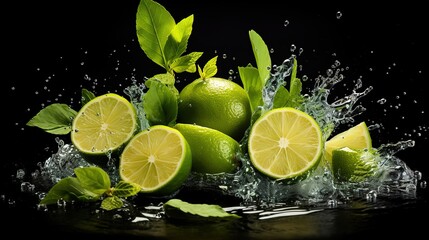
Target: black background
49	48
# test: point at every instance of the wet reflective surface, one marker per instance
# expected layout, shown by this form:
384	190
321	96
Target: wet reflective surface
359	219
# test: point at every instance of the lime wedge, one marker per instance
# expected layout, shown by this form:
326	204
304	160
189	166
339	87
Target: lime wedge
353	165
285	143
356	137
158	159
103	125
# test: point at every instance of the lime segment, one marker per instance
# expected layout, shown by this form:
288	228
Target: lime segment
158	159
104	124
285	143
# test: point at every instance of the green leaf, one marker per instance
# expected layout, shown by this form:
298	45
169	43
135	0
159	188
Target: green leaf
126	189
153	26
252	84
177	41
56	118
93	179
281	98
160	104
68	189
166	78
178	209
186	63
209	70
86	96
262	55
111	203
295	88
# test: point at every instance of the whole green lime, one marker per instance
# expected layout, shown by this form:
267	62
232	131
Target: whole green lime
212	151
216	103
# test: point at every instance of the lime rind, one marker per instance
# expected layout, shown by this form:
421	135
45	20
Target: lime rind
354	165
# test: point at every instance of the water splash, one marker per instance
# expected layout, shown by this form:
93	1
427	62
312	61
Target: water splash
319	187
394	177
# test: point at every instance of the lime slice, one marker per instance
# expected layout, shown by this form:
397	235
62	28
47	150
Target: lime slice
353	165
356	137
285	143
212	151
103	125
158	159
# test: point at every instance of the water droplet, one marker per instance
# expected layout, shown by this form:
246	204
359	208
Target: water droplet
272	50
292	47
224	56
286	23
423	184
382	101
231	72
20	173
339	15
371	196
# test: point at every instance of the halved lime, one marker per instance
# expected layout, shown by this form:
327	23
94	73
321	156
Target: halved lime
103	125
285	143
354	165
356	137
158	159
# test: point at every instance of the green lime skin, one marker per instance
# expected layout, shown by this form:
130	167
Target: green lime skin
216	103
212	151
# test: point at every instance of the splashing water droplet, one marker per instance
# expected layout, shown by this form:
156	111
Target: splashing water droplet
286	23
339	15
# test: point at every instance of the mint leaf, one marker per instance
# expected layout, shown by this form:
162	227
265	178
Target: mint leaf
125	189
209	70
178	209
295	86
177	41
262	56
153	26
86	96
166	78
281	98
111	203
68	189
56	118
93	179
254	79
293	97
186	63
252	84
160	104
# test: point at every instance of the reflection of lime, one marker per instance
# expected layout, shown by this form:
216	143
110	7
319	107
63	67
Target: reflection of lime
285	143
212	150
158	159
216	103
353	165
103	125
356	137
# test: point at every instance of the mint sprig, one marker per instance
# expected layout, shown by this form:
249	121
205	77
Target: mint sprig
254	79
91	184
162	40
